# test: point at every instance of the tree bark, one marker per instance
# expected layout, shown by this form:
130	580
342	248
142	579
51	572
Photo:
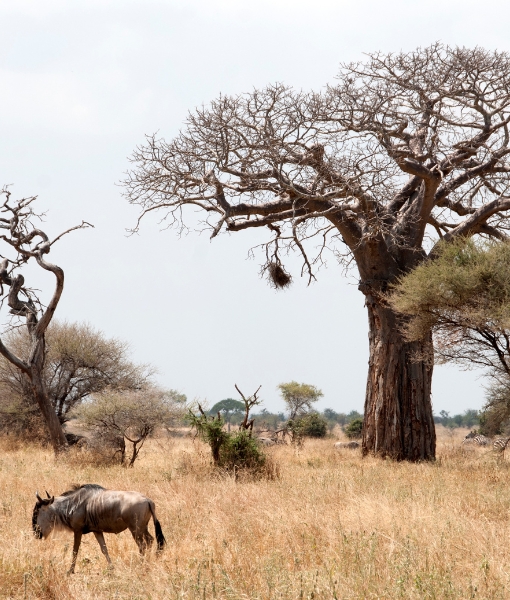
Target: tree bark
57	436
398	420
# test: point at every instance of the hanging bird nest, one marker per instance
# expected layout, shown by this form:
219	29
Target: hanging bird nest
277	276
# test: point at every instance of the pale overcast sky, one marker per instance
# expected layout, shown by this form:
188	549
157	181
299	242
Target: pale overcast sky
83	81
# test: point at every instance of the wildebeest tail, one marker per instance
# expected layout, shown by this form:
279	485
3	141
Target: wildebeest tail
160	538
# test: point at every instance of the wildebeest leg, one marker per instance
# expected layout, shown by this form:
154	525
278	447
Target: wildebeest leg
76	547
102	544
143	539
147	538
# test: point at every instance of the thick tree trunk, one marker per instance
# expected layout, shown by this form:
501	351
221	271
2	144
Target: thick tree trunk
398	411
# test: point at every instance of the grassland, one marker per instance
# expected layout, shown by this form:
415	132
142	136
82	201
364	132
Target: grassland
332	526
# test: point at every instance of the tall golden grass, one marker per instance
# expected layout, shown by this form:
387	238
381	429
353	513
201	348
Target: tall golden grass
332	526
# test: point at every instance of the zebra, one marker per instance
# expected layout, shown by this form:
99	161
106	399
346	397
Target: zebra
500	444
478	440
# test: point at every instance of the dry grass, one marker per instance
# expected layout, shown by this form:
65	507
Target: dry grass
332	526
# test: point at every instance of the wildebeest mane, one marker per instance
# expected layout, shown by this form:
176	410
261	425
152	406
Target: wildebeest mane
73	498
86	486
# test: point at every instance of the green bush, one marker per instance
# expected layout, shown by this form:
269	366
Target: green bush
314	425
236	453
354	429
241	451
311	425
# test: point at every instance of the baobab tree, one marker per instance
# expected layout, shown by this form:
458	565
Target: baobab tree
28	243
404	149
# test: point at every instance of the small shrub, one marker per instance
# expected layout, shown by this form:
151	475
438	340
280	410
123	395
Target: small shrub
311	425
314	425
20	417
233	453
241	451
354	430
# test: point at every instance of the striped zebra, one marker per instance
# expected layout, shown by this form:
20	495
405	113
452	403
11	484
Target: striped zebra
500	444
477	440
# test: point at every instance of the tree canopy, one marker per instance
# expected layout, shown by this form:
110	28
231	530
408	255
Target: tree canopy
299	397
133	415
463	296
422	133
228	407
80	361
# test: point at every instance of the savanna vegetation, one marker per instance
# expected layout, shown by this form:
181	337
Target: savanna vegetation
330	526
404	145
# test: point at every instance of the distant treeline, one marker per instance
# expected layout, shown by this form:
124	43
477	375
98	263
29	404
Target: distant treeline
271	420
469	418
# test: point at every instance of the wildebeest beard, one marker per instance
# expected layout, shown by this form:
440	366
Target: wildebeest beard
37	530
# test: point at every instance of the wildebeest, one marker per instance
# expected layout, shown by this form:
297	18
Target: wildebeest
91	508
349	445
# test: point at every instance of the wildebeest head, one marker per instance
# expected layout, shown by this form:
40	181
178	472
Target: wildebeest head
43	519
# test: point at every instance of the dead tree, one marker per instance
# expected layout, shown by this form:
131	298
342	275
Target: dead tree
403	150
249	403
29	243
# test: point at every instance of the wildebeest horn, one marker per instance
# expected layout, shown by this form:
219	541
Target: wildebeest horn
47	494
38	497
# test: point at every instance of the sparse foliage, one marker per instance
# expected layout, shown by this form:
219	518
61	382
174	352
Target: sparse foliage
463	297
495	415
235	452
132	415
209	430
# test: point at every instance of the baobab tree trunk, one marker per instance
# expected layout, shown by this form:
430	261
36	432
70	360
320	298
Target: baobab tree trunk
398	411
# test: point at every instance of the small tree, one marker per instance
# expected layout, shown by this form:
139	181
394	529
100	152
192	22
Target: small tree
299	397
232	451
133	415
26	243
209	430
80	361
227	408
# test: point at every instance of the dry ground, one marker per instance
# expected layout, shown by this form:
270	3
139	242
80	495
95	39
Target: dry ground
333	526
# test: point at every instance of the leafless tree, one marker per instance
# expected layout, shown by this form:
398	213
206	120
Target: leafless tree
28	243
249	403
402	150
